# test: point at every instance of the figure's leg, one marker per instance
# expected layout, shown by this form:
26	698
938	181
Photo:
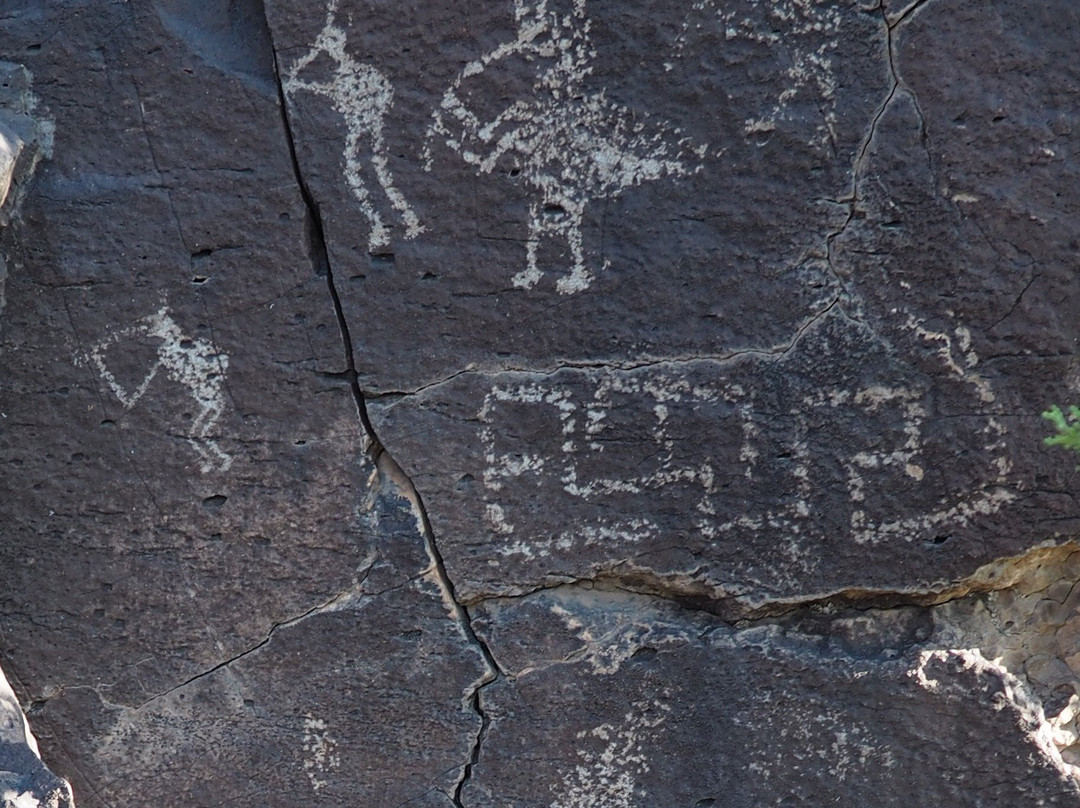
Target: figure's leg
413	227
579	277
211	455
378	236
531	275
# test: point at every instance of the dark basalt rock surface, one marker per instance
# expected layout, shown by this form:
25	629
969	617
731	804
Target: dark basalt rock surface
540	403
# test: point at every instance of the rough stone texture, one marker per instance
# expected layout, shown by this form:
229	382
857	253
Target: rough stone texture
819	363
25	782
847	707
541	402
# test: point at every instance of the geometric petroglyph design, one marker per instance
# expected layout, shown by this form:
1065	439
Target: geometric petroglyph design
363	96
195	364
802	35
587	412
571	146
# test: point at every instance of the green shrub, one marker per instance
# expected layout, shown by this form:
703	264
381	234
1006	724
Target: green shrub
1068	427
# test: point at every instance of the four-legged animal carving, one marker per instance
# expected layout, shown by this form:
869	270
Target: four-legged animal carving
573	146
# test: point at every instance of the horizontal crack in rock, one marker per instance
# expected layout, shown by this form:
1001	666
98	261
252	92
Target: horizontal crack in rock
337	602
688	592
773	354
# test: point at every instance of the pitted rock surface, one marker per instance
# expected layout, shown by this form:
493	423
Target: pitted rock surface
539	403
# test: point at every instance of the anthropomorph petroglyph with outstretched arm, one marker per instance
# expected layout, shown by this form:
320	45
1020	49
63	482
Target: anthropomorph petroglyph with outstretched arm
195	364
363	96
573	146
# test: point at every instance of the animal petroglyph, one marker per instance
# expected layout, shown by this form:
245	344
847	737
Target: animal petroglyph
570	145
801	34
195	364
363	96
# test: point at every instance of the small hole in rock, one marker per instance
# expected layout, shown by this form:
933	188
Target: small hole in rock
214	502
706	803
299	442
33	48
941	538
554	211
382	259
107	424
186	343
199	279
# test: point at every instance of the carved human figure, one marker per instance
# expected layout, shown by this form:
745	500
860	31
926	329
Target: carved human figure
195	364
363	96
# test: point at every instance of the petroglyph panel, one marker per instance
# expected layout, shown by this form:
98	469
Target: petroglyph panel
570	179
757	477
707	341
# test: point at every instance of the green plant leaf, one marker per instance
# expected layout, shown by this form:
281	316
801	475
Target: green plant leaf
1067	426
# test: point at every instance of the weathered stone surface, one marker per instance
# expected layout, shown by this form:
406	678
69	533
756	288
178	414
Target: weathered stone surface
25	782
189	503
711	339
861	413
658	706
363	698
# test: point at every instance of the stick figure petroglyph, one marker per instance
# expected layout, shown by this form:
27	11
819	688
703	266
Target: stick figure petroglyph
195	364
573	146
363	96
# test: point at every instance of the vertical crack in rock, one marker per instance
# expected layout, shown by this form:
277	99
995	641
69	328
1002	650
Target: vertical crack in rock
389	471
858	169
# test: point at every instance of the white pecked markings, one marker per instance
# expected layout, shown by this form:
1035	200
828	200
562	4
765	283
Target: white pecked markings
573	146
363	96
193	363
